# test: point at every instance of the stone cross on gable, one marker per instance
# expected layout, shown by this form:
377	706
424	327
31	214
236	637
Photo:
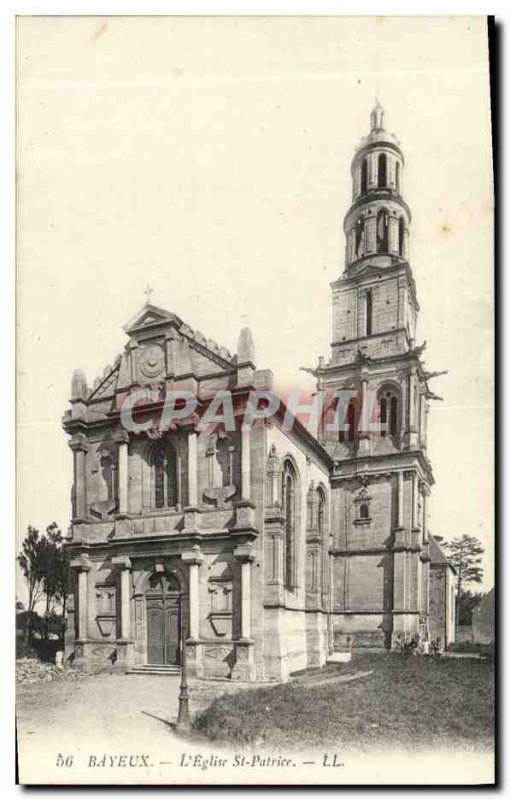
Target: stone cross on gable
147	292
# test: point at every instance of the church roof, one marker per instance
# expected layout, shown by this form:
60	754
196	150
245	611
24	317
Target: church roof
437	554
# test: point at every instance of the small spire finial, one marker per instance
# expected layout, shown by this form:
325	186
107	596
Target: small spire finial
147	292
377	116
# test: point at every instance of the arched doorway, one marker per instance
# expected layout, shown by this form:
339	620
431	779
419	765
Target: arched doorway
164	619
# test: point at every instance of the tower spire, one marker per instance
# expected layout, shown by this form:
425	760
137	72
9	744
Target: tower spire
377	117
376	225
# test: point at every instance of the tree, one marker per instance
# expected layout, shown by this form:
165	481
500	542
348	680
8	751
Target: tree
31	560
465	556
55	564
466	602
44	563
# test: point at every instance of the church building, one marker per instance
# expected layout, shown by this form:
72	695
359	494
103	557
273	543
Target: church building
260	551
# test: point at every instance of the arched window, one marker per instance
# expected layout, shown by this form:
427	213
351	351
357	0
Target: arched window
165	472
397	176
363	511
382	170
382	232
368	312
388	411
401	233
290	510
321	512
364	176
359	241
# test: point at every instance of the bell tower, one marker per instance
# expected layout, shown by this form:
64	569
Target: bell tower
381	476
367	304
377	223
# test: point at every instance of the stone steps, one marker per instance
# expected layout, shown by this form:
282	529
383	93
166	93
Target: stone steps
155	669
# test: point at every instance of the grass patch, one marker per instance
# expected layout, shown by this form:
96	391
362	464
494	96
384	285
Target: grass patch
485	650
410	702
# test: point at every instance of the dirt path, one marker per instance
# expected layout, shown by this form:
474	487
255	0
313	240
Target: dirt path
109	707
105	715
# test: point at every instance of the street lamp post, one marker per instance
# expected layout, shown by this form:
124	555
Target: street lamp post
183	720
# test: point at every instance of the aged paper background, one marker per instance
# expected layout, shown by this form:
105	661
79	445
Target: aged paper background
210	157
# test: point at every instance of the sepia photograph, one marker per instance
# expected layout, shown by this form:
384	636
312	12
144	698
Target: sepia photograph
255	400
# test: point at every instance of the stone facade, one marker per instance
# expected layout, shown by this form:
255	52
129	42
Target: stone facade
442	596
380	481
181	537
260	551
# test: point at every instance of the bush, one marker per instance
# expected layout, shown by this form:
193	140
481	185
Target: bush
486	650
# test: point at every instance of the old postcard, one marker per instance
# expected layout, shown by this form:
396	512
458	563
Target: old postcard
255	400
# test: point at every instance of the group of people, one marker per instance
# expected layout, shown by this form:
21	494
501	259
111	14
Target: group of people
417	645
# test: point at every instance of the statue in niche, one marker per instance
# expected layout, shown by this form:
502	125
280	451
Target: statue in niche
104	471
220	587
106	482
220	455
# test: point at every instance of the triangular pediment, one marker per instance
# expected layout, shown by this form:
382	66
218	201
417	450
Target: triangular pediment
192	351
149	317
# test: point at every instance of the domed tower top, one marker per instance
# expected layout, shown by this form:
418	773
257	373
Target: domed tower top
377	223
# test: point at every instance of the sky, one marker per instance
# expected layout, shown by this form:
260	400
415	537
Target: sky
210	158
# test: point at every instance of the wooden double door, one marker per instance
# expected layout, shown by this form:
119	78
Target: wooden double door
163	600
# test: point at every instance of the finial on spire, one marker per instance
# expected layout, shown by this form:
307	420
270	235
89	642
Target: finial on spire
245	346
147	292
377	117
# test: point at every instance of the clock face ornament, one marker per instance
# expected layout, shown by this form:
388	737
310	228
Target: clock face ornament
152	360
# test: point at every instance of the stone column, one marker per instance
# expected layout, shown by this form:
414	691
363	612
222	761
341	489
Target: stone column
193	558
357	181
361	312
192	469
415	523
123	565
79	446
82	566
391	170
244	554
244	668
400	499
125	644
425	536
402	302
372	170
370	235
192	510
122	438
393	234
413	432
423	406
244	507
406	243
352	246
245	464
363	432
400	532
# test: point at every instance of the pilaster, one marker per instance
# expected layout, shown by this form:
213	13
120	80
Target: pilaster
79	446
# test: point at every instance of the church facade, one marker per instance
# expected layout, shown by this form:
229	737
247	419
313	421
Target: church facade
260	550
